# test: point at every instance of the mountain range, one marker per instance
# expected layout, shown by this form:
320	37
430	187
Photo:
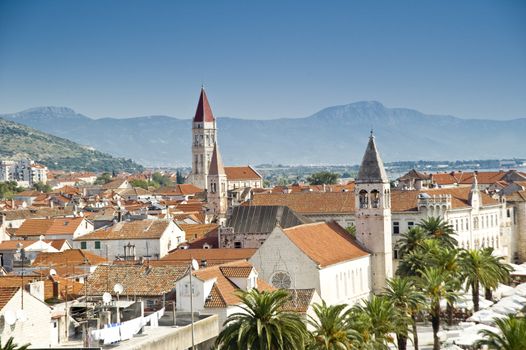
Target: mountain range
334	135
19	141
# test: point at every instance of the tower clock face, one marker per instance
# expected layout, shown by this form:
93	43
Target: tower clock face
281	280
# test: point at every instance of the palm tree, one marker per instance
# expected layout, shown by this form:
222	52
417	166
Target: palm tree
503	271
407	300
440	230
11	345
377	318
332	328
479	269
512	335
447	259
436	285
411	240
263	324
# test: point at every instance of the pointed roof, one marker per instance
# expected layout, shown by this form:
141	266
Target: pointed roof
216	164
203	112
372	168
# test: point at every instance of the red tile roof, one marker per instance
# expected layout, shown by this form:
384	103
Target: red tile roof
68	257
240	173
325	243
140	229
6	294
211	255
37	227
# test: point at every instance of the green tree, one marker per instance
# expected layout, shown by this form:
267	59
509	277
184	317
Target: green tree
323	178
162	180
42	187
103	179
479	268
411	240
440	230
375	320
179	178
407	300
139	183
263	324
332	328
11	345
512	335
436	285
8	188
503	271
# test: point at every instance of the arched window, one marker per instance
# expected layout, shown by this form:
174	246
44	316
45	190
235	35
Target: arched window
364	199
375	199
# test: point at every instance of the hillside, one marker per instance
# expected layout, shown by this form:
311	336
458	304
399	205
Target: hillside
19	141
334	135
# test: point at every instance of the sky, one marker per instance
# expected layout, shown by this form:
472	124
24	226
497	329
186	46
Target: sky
263	59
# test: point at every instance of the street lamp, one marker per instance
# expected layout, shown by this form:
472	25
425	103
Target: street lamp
20	250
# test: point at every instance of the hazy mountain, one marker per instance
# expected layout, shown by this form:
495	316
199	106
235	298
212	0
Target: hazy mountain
334	135
19	141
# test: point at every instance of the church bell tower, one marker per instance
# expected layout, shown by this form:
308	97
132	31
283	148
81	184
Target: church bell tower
203	141
373	215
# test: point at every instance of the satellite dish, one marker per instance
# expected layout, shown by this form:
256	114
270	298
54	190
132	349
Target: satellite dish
195	265
106	297
52	272
21	315
118	288
10	317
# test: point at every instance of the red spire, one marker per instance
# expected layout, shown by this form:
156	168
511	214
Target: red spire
203	112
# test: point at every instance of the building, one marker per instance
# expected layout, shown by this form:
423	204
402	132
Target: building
28	319
214	288
319	255
217	195
133	240
26	172
373	214
249	226
203	142
58	228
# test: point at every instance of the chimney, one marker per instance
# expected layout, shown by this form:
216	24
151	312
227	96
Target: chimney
56	294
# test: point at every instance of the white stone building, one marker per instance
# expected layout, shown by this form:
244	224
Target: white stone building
320	255
133	240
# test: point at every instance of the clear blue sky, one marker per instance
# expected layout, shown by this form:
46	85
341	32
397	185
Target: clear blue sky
263	59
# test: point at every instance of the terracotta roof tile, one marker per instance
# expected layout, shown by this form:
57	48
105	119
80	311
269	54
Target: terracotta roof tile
300	300
309	202
138	280
325	243
240	173
57	226
210	255
69	257
197	231
140	229
6	294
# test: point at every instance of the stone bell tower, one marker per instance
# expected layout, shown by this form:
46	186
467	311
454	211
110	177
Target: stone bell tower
203	141
373	215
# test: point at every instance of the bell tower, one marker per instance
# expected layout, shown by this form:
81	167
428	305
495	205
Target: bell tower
217	187
203	141
373	214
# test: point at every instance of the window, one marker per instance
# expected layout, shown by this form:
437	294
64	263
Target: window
282	280
410	224
364	199
237	244
97	244
83	245
396	227
375	199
